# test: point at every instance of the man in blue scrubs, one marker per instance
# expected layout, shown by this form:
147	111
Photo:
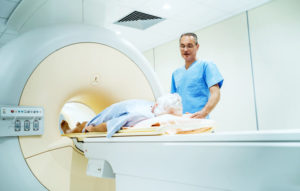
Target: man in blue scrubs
198	82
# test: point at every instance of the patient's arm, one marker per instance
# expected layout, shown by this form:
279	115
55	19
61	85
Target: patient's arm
98	128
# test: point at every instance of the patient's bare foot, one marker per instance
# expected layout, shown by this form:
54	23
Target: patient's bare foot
65	127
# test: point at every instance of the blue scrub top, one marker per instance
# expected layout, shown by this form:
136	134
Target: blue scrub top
193	84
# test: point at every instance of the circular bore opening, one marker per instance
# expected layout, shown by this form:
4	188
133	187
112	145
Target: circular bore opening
74	112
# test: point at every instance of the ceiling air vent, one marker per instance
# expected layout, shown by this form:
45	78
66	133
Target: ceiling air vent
139	20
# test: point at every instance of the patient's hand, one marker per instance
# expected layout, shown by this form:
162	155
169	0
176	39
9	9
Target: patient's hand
187	115
98	128
199	115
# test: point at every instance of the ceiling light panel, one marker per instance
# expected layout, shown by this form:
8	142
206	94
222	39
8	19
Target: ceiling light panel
166	6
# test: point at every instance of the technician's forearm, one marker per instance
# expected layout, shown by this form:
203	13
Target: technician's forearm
210	105
212	102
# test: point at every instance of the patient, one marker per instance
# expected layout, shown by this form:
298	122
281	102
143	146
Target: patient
127	114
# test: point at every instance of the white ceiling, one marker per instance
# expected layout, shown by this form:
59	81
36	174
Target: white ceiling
17	17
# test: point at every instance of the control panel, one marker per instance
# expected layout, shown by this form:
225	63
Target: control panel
21	120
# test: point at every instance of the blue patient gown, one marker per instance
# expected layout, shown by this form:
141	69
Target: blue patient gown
125	113
193	84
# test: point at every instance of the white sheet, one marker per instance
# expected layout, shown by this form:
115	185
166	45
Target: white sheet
172	124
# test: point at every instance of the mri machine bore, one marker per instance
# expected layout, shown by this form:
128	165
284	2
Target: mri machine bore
49	67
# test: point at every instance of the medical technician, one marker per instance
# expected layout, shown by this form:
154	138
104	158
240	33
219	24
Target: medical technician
198	82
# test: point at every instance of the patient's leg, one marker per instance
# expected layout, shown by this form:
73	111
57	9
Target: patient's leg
98	128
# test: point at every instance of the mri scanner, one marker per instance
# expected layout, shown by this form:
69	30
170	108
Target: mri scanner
48	67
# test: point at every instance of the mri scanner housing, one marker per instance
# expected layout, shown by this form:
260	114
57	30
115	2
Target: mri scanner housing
49	67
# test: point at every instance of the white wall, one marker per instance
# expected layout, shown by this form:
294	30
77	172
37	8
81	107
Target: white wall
150	56
274	33
275	37
226	44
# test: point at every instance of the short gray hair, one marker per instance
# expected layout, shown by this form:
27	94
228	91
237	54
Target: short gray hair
190	34
169	104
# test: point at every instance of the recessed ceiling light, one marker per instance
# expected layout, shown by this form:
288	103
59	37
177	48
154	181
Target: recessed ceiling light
166	6
118	32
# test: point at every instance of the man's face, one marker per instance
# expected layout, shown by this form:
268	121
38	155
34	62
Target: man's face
188	48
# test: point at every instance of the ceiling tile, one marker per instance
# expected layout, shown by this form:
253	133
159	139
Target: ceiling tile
181	16
16	1
5	38
171	27
139	38
6	7
250	4
50	13
2	24
145	43
156	7
101	13
153	36
232	5
222	5
125	31
11	31
204	15
132	3
23	13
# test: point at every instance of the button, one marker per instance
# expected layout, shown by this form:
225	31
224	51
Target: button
17	125
26	125
36	125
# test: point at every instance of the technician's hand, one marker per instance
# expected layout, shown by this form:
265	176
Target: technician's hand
199	115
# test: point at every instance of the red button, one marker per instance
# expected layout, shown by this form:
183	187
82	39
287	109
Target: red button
11	111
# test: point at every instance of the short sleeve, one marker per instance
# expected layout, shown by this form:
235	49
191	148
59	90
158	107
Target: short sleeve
173	86
213	76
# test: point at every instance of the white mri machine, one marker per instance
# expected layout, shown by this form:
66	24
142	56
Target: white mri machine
48	67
